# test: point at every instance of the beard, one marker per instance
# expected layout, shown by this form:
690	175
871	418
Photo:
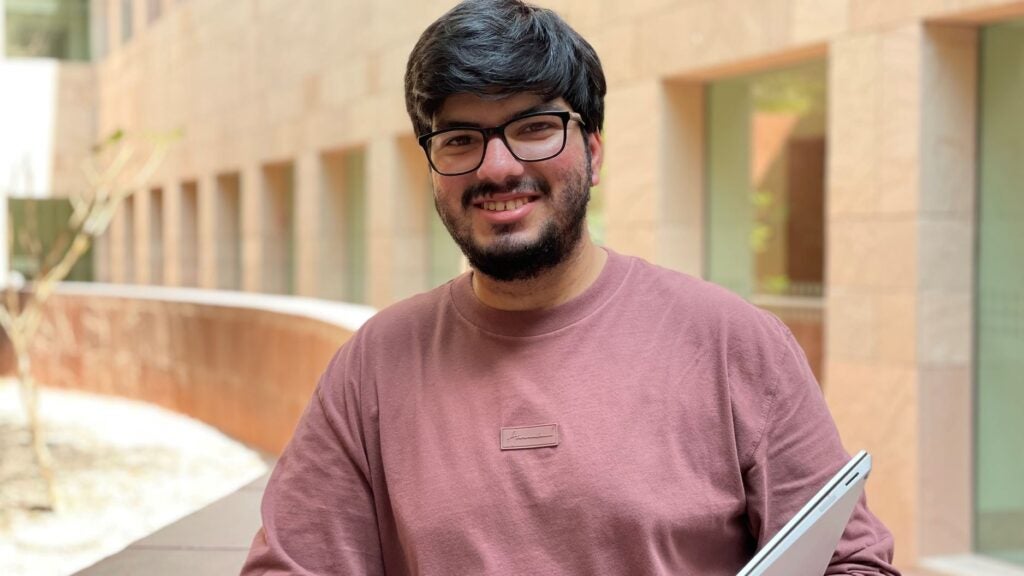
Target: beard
508	259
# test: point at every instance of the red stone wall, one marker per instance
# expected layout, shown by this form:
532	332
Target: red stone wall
247	372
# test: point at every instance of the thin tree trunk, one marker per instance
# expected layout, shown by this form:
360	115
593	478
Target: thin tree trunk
30	400
20	320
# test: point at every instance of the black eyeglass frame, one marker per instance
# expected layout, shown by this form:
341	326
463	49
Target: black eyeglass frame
499	131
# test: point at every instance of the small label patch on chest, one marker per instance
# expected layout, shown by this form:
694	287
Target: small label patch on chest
521	437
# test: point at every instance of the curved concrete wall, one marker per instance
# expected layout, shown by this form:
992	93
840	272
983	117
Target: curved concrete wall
244	363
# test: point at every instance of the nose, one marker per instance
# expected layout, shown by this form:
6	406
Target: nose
499	164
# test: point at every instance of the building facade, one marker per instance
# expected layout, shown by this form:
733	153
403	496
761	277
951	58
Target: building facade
852	165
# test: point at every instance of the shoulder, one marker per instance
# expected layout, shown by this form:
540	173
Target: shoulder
409	317
747	345
745	353
402	326
708	309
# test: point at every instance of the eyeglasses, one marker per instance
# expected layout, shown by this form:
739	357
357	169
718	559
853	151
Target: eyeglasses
530	138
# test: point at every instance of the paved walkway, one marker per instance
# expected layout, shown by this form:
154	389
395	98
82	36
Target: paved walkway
214	542
211	542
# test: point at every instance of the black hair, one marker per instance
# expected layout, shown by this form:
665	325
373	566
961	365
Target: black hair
497	48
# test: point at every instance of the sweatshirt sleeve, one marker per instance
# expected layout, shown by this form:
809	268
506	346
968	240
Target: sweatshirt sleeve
318	508
797	451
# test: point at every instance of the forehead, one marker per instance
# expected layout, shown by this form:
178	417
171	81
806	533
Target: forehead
470	109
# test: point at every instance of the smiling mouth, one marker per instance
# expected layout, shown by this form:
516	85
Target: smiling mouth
506	205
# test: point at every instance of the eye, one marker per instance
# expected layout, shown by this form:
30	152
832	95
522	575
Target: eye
539	127
451	140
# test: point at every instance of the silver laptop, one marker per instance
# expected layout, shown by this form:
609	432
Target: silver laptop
805	544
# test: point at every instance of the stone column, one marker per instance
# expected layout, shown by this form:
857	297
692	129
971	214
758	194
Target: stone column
207	231
946	280
653	176
630	174
899	257
681	178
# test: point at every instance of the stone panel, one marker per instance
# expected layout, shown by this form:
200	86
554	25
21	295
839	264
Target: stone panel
947	247
816	20
876	14
853	126
873	253
946	461
875	408
632	152
948	142
946	329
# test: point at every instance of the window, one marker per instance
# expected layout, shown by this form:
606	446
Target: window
427	255
342	242
766	145
355	213
445	257
127	16
188	231
999	498
279	229
98	30
156	236
46	224
46	29
126	257
228	216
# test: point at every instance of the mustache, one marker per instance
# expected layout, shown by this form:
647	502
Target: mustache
517	185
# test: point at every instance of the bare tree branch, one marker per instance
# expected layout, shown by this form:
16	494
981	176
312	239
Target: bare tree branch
92	211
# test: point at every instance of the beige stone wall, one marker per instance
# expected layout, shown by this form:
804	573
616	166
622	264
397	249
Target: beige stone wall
261	84
901	238
74	127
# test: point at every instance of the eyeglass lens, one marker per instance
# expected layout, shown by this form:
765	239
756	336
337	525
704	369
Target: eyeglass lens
529	139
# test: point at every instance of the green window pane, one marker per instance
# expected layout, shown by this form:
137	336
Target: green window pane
766	182
47	29
766	136
1000	315
41	235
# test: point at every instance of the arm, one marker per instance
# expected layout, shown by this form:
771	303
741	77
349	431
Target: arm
796	452
318	508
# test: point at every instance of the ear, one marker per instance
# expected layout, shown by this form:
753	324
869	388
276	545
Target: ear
596	146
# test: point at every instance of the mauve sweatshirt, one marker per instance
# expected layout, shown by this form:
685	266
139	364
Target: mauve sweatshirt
689	429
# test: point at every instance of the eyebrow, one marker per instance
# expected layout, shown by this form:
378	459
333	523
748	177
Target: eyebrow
540	107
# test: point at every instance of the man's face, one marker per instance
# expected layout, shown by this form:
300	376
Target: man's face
515	219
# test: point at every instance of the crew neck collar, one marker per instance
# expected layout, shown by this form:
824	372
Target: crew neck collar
524	323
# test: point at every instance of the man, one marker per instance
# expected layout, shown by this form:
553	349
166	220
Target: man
560	409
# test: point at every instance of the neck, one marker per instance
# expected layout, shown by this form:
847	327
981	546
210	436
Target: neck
553	287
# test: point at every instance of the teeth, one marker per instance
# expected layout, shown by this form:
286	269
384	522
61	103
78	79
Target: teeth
502	206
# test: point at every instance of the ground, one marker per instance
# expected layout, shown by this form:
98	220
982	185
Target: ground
124	469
